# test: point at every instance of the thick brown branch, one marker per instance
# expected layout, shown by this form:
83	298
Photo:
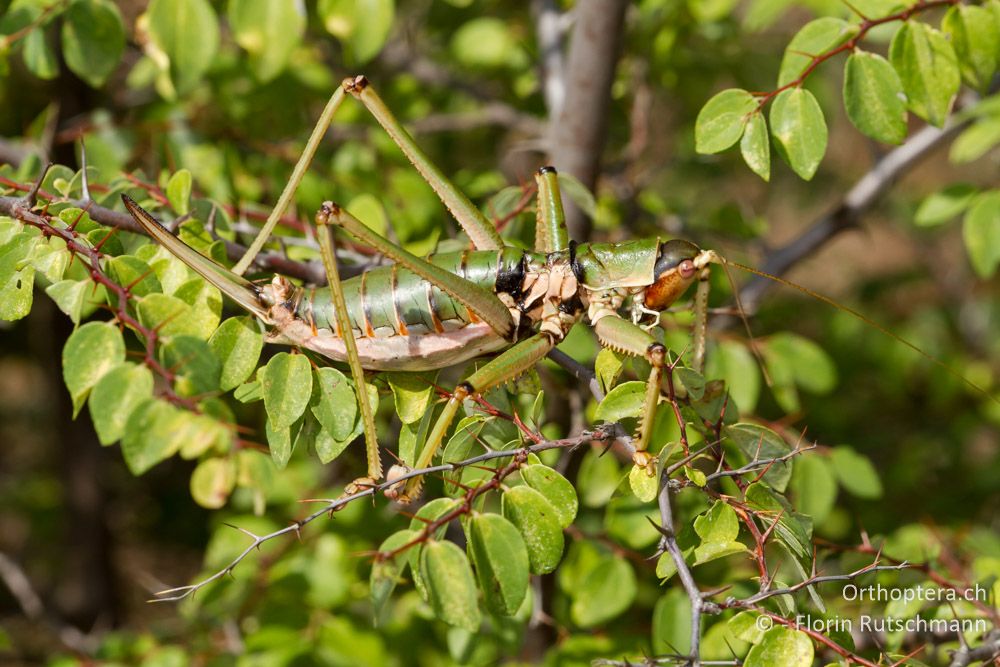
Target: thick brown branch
578	132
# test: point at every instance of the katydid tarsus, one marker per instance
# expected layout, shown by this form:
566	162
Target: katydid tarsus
419	314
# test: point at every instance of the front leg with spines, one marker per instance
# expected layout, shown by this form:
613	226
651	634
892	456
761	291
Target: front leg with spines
624	336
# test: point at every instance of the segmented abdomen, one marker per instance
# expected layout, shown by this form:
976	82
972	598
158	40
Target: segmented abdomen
392	301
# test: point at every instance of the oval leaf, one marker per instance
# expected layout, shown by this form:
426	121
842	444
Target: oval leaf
815	37
89	353
781	646
287	385
556	489
981	231
114	398
501	562
755	146
607	591
236	344
721	121
269	30
928	68
537	521
451	588
873	97
799	129
93	39
187	32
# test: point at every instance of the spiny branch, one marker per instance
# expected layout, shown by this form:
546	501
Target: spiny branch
335	504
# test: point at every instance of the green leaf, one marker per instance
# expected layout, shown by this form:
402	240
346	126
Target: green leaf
412	394
115	396
16	294
287	385
249	392
237	344
793	530
93	39
981	231
362	25
755	146
451	587
557	490
279	441
734	363
598	478
133	273
212	481
387	572
483	42
39	57
607	591
975	35
746	626
622	402
269	30
781	646
206	306
928	69
940	207
154	432
799	130
814	38
721	121
578	193
608	366
811	367
168	315
89	353
815	486
336	407
672	622
873	97
856	473
501	562
976	140
196	367
643	485
187	33
72	295
760	443
718	529
539	525
179	192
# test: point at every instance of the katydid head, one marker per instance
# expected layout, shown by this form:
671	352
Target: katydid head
678	264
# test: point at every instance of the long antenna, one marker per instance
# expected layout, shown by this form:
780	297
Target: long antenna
746	322
847	309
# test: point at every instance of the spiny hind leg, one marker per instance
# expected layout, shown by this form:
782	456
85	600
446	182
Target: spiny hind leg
503	368
481	231
326	245
479	300
622	335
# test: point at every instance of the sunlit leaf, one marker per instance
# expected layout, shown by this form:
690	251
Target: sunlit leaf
799	130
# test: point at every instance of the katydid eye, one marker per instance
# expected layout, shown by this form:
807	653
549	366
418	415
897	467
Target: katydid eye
686	268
